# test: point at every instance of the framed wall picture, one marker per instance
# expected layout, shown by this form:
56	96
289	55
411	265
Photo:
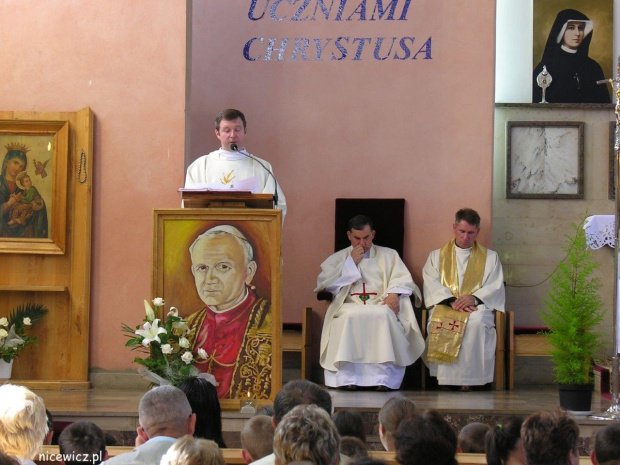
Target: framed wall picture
544	160
33	186
221	269
573	41
612	160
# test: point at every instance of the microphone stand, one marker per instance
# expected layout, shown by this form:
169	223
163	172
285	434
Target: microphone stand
613	412
235	148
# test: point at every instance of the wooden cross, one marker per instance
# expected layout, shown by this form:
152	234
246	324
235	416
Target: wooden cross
364	296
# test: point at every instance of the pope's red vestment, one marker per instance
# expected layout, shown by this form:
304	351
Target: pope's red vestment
238	346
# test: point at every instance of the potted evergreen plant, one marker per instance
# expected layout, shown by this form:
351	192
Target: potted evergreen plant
573	309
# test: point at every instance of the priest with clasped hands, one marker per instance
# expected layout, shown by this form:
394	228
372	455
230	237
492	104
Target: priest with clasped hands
463	285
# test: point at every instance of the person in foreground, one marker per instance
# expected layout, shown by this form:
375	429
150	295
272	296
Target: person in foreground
550	438
503	445
189	450
202	397
606	444
463	285
23	423
231	163
471	438
425	438
257	438
292	394
81	443
391	414
307	433
164	415
372	289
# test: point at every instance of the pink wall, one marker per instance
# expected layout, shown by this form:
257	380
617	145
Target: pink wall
418	129
126	60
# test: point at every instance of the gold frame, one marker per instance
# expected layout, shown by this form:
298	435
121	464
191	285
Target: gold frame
56	242
175	229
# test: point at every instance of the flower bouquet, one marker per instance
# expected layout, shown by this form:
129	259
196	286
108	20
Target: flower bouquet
13	338
170	359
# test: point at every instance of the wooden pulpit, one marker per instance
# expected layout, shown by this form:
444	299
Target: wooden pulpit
202	198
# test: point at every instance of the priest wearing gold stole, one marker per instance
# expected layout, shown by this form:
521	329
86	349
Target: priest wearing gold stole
463	284
370	333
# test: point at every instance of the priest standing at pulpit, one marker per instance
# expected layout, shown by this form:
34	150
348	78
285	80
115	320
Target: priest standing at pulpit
232	167
463	285
370	334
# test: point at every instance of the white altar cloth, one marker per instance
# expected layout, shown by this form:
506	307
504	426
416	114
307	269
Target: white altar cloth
601	231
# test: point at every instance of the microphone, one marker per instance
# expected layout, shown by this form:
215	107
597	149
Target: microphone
235	148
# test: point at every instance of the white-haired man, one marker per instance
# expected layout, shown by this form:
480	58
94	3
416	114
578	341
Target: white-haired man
23	422
164	415
234	327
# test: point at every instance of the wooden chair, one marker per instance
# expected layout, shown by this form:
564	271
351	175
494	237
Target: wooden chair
301	342
526	345
500	350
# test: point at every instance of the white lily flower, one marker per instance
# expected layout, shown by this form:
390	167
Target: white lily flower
150	332
12	339
3	333
180	325
166	349
27	321
158	302
187	357
4	321
184	342
202	353
173	311
150	314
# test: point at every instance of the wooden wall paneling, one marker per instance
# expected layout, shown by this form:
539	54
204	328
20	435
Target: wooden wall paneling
60	282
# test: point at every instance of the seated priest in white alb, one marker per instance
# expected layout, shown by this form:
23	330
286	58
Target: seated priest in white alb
370	334
463	284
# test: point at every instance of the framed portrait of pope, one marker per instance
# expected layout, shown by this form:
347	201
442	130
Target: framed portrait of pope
221	269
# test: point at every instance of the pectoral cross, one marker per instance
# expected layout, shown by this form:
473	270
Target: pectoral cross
364	296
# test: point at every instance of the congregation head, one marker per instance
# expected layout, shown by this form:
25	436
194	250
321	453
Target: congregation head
391	414
503	442
349	423
6	459
202	397
300	392
306	433
257	438
165	411
425	437
82	442
353	447
189	450
606	444
471	438
550	438
23	422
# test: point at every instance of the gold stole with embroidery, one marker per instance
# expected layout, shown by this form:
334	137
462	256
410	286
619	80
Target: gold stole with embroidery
447	326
